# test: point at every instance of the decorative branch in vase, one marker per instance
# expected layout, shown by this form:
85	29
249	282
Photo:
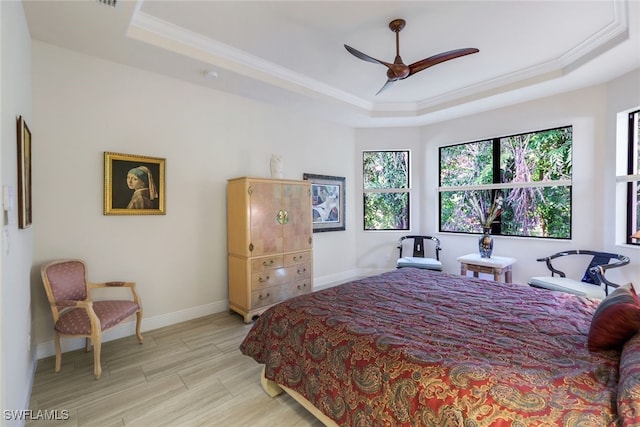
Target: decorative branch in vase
486	217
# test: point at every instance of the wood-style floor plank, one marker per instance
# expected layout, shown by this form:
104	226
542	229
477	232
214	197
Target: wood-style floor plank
188	374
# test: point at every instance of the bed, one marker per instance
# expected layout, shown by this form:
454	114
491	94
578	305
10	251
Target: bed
416	347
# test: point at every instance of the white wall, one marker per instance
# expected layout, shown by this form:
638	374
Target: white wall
85	106
590	111
16	255
623	95
377	249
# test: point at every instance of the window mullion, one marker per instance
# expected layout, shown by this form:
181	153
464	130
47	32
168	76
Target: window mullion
386	190
507	185
497	179
633	176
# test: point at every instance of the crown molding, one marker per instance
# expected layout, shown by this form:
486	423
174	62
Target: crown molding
160	33
157	32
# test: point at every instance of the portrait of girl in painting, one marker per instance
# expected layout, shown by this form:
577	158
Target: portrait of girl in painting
140	180
134	185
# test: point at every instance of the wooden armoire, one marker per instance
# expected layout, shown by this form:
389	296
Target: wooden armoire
269	242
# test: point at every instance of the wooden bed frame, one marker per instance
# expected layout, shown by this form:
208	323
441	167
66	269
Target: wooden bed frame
273	389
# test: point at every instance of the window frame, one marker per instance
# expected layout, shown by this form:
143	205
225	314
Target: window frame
496	185
633	175
389	190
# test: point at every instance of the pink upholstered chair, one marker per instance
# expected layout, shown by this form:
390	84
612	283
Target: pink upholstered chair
75	315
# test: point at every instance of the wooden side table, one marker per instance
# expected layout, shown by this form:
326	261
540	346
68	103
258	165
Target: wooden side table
495	265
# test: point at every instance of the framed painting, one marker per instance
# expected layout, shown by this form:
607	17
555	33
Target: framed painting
327	202
134	185
25	211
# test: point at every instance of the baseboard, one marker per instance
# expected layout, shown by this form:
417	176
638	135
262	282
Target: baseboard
331	280
325	282
46	349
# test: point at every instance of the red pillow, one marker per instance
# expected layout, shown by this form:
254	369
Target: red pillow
616	319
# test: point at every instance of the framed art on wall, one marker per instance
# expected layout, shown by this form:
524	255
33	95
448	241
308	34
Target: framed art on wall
25	212
134	185
328	202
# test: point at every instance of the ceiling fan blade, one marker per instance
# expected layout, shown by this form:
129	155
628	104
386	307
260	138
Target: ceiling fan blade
437	59
386	85
364	56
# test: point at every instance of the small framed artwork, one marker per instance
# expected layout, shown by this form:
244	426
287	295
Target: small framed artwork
134	185
25	211
327	202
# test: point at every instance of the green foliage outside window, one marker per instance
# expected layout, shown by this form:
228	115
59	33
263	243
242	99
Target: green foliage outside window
386	190
520	161
633	171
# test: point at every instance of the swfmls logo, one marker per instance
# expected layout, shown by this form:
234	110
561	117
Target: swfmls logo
39	415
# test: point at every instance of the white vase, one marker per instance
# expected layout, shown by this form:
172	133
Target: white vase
276	167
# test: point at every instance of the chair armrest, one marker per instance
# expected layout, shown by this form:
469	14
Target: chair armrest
71	303
600	270
599	273
95	285
620	261
68	305
130	285
553	270
65	303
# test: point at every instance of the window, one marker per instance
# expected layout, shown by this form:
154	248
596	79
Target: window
531	172
386	190
633	176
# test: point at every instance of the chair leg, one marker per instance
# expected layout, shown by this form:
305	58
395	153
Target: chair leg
87	345
138	324
97	367
58	353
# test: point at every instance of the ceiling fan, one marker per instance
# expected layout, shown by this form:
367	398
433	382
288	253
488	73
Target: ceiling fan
398	70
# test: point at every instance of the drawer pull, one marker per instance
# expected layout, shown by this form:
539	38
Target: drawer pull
267	264
264	297
298	258
301	287
282	217
261	280
301	271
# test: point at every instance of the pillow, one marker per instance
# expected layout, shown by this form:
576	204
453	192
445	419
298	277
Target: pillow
616	319
628	397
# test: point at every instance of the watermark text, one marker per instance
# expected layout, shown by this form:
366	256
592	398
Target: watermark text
36	415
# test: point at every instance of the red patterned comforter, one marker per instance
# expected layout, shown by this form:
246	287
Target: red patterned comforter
420	348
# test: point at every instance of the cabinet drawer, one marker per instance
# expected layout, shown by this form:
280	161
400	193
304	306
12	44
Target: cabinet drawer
296	288
266	296
300	287
297	258
280	276
267	278
300	271
264	263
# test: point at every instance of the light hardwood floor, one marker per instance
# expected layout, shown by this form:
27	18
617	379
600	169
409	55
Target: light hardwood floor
189	374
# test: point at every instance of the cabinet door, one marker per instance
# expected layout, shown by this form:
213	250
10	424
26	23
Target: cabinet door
298	229
266	231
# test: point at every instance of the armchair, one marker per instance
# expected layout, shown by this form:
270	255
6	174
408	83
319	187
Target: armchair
75	315
593	284
418	258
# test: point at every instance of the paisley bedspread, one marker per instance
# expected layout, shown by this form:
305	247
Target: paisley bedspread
421	348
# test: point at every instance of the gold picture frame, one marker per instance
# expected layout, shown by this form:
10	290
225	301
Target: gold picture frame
25	210
134	185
